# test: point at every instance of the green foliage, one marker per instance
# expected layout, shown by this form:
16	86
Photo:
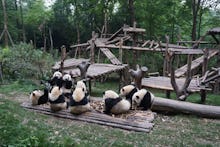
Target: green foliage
23	62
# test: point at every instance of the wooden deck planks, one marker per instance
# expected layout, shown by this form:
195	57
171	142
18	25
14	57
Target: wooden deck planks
97	69
94	117
195	63
69	63
164	83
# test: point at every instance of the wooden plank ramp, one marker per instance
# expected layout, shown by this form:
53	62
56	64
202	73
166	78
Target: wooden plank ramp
195	63
110	56
94	117
107	52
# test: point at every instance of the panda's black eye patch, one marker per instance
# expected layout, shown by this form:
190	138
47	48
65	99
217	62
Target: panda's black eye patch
123	89
83	89
137	97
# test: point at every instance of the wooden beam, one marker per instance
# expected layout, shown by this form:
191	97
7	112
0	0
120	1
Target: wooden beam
177	51
79	45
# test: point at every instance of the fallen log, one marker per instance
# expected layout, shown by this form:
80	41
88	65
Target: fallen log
207	111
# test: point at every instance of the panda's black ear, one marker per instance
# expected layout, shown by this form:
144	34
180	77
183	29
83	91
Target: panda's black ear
103	93
137	97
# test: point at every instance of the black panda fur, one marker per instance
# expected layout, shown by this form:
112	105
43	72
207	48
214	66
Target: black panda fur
110	103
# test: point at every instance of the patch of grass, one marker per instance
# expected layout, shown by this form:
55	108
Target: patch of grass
18	86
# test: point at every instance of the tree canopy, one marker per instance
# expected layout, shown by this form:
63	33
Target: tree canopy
72	21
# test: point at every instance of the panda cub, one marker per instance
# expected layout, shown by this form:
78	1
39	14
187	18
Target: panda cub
114	104
128	91
38	97
79	103
67	86
143	99
82	84
56	79
57	99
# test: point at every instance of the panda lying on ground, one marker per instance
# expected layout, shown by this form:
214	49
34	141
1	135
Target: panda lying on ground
114	104
39	97
142	99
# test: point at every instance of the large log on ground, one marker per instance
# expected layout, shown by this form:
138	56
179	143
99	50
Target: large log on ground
162	104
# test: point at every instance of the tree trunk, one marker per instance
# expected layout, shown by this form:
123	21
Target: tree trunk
5	23
161	104
195	9
131	11
51	40
22	21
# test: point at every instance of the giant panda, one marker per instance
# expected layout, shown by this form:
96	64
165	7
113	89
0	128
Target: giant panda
79	102
56	79
67	86
39	97
57	99
143	99
115	104
82	84
128	91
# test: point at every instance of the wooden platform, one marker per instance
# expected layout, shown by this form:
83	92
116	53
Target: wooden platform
132	123
69	63
97	70
164	83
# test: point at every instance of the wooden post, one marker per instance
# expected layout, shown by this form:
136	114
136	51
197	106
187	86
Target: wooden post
138	74
63	57
83	67
92	50
120	50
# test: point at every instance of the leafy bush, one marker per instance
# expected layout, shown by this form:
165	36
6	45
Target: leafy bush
22	61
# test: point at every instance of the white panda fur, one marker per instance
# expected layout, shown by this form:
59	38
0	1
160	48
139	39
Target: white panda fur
79	103
57	99
82	84
143	99
38	97
56	79
114	104
128	91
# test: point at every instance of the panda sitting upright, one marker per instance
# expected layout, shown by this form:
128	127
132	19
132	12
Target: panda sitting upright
57	99
128	91
79	102
39	97
56	79
67	86
115	104
143	99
